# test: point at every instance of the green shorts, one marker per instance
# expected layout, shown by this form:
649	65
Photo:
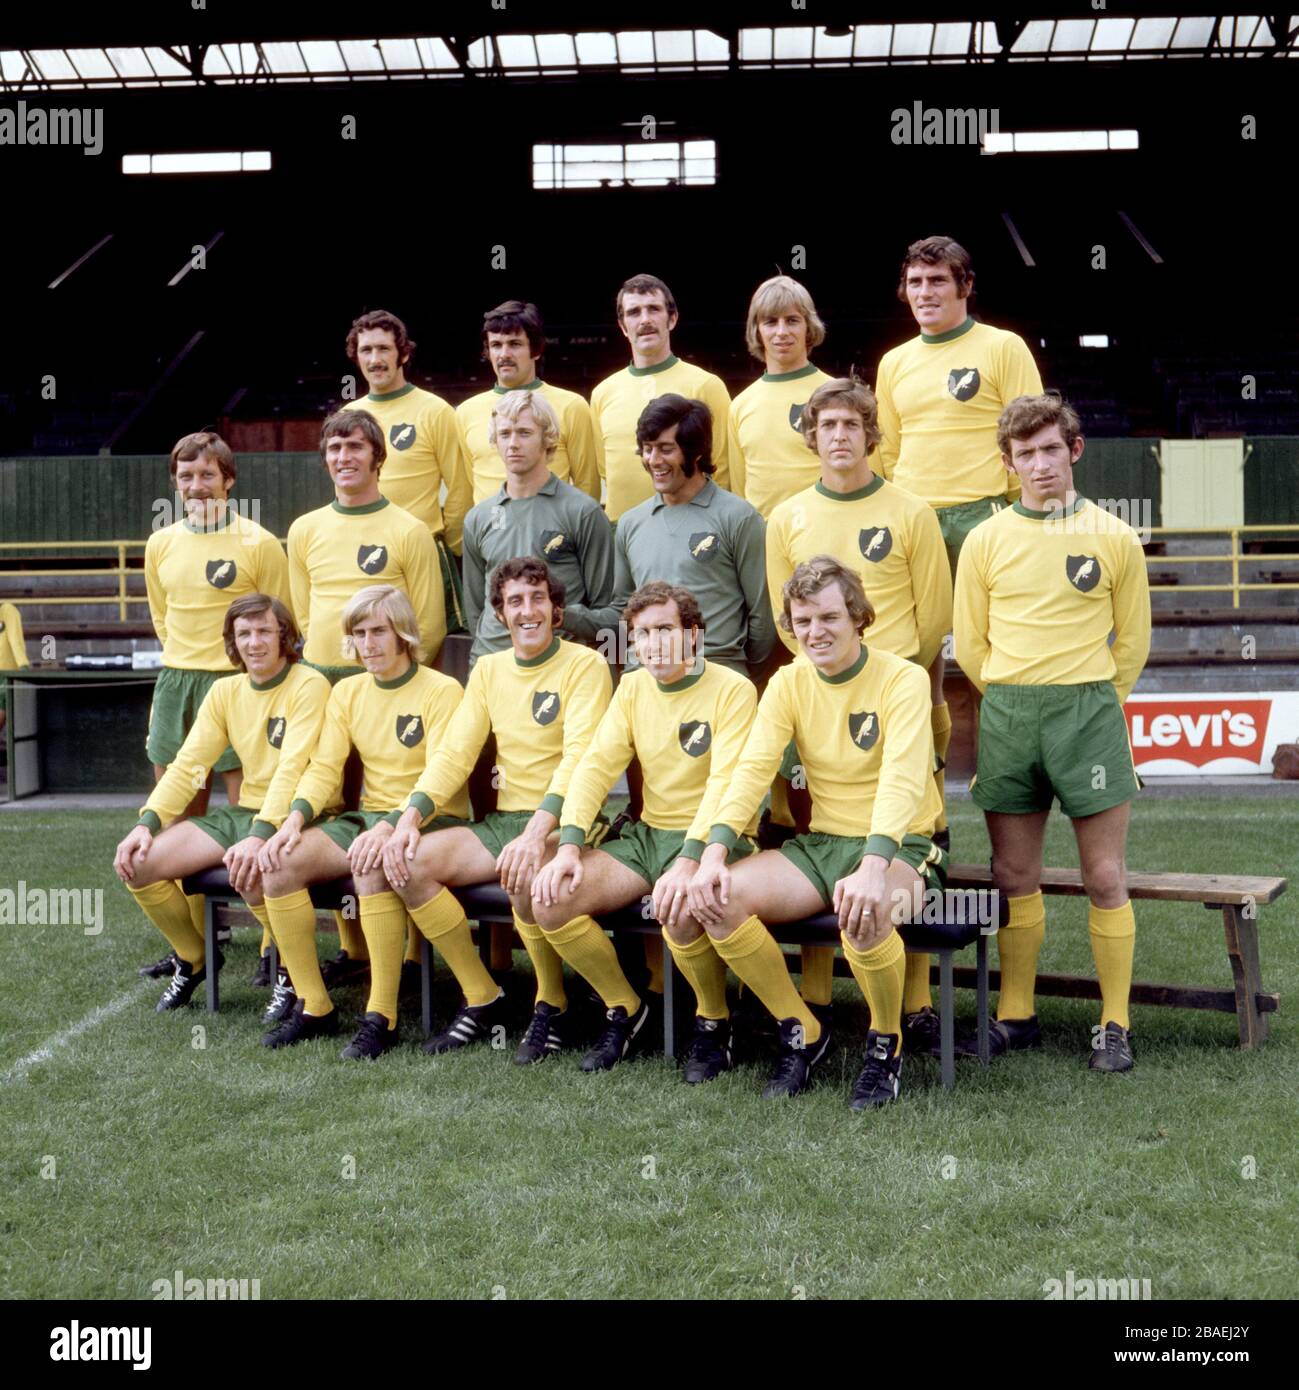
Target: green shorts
177	695
651	852
957	522
498	828
824	859
334	674
227	825
1039	742
347	825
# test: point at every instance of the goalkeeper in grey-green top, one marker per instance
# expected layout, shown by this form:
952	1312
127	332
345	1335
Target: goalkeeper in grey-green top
535	513
694	534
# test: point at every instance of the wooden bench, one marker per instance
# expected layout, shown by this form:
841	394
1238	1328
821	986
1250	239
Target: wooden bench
1238	898
487	903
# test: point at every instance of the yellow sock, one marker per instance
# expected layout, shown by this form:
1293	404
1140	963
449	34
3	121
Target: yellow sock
1018	944
916	992
168	909
293	920
589	951
751	951
546	961
817	983
196	902
413	939
940	721
1113	933
880	972
706	971
351	938
263	920
654	961
443	921
383	920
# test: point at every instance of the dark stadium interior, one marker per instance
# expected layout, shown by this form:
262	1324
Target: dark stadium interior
406	216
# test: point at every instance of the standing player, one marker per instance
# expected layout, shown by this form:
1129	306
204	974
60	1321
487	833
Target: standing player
769	459
193	570
13	649
1039	590
534	512
542	699
358	538
647	314
514	339
939	398
270	716
391	718
858	717
686	720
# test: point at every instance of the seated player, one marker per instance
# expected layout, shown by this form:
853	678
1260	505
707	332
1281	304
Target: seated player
391	717
686	719
542	699
1040	588
270	715
860	718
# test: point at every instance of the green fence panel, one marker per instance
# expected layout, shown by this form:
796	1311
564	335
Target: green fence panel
1272	481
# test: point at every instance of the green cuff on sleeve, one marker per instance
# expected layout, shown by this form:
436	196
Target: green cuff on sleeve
692	849
263	829
553	803
571	835
722	835
882	846
422	804
393	817
150	821
305	809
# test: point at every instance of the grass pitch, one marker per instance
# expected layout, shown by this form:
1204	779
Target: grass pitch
129	1151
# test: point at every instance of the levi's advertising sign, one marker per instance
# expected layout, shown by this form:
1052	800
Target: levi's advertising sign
1188	735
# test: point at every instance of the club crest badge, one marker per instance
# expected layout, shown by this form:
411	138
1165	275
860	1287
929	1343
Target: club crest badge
695	737
372	559
553	544
875	542
401	436
275	731
796	416
963	383
220	573
864	730
703	545
410	729
1083	572
545	706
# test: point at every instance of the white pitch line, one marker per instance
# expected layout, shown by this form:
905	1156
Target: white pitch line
92	1020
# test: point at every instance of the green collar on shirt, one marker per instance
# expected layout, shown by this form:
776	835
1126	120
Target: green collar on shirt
393	395
274	680
702	498
227	519
538	660
533	385
847	674
958	331
548	489
366	509
1056	512
411	672
670	360
873	486
809	370
695	676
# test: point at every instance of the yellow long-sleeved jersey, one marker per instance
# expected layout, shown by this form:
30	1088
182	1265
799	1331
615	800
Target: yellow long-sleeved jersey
392	725
335	550
688	737
894	542
616	405
272	727
867	748
939	398
770	460
193	574
574	460
425	450
543	712
13	649
1038	594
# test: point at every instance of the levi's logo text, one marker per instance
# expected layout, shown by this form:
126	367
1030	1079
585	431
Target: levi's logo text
963	382
401	436
545	706
1083	571
220	573
1198	731
864	729
695	737
372	559
410	729
875	542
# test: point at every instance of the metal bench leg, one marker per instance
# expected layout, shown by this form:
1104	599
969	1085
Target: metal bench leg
210	949
947	1019
486	935
426	982
671	984
982	996
1242	951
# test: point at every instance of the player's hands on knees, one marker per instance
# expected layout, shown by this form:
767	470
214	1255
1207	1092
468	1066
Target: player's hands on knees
672	892
861	900
518	862
400	850
710	888
132	852
281	844
365	853
566	866
241	864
